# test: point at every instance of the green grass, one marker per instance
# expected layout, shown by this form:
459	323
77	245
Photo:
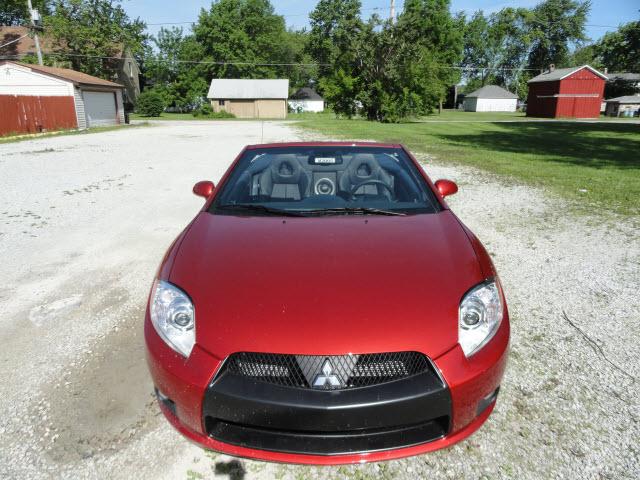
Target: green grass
59	133
597	164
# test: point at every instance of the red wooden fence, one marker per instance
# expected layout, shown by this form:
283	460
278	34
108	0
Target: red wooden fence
30	114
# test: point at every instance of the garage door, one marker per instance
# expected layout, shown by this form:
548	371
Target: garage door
100	108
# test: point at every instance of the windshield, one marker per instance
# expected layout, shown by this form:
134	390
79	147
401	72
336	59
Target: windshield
327	180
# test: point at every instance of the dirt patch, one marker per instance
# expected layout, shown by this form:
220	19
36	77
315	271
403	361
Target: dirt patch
102	402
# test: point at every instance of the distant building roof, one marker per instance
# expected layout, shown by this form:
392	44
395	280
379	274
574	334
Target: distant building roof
491	91
560	73
20	43
626	76
625	99
78	78
306	93
232	88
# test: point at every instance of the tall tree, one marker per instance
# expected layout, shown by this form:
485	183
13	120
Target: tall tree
429	42
619	51
555	26
91	35
245	32
335	28
15	12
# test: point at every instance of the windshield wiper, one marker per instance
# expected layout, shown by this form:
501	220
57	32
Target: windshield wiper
352	211
262	209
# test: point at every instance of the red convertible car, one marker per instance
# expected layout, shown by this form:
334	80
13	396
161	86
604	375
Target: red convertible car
326	306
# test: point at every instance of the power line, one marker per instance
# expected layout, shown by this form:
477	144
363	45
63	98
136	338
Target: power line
267	64
14	41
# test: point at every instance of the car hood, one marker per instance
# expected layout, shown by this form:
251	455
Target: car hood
327	285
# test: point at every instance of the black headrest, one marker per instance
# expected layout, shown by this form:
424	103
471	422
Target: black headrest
285	168
363	167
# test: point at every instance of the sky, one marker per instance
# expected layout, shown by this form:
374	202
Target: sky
605	15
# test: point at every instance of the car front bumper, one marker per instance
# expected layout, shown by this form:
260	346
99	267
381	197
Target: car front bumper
265	422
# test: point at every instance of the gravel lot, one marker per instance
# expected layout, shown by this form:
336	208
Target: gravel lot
85	220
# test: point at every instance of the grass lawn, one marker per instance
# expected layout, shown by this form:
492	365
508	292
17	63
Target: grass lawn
596	163
57	133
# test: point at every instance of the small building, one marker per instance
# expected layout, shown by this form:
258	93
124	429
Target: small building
246	98
34	99
17	43
306	100
574	92
490	98
626	106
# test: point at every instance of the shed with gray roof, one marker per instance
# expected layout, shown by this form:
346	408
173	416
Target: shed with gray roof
490	98
250	98
626	106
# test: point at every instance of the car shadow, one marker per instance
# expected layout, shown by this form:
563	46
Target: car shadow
233	468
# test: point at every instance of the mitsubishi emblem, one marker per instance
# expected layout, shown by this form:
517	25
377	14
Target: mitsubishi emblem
326	377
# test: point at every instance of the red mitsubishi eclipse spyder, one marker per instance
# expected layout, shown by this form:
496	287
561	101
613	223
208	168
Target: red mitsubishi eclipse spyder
326	306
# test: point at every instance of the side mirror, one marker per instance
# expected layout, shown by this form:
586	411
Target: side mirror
203	189
446	187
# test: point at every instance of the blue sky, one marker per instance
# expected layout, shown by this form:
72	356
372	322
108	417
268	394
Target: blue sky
604	13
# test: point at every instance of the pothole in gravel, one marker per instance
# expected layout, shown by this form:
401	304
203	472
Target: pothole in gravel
101	402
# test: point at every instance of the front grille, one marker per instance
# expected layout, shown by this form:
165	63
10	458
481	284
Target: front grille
313	371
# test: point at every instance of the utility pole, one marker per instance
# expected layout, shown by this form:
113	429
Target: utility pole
35	20
392	12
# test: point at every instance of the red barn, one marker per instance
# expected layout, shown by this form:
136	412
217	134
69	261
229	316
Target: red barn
566	92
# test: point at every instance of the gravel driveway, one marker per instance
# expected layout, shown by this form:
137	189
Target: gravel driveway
85	220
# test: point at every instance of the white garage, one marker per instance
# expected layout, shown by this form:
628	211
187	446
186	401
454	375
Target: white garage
306	100
490	98
101	108
56	98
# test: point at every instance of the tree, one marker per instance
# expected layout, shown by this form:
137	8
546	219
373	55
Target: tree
586	55
425	44
15	12
555	25
91	35
173	69
387	72
246	33
619	51
335	29
150	103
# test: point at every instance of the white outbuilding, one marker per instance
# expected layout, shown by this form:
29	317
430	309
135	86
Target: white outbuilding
490	98
36	98
306	100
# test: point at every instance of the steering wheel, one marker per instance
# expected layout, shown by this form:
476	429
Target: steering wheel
355	188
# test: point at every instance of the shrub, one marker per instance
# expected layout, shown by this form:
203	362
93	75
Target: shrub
222	114
150	103
205	110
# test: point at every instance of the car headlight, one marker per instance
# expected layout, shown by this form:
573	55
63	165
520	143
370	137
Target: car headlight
173	317
479	316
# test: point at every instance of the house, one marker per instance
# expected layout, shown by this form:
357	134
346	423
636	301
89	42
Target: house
34	99
250	98
621	84
566	92
306	100
490	98
127	69
626	106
